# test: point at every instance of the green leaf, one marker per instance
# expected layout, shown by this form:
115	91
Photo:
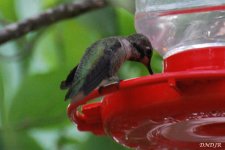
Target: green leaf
27	8
74	39
24	142
126	4
157	62
2	103
7	9
132	70
17	140
2	113
39	102
125	22
101	143
94	21
45	56
1	141
11	73
50	3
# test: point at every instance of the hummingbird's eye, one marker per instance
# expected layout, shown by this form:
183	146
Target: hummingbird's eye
148	48
148	52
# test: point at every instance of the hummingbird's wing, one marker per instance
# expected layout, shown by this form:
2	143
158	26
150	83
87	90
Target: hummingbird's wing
97	75
69	80
92	80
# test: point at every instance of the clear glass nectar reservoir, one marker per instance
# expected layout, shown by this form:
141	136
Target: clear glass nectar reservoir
178	25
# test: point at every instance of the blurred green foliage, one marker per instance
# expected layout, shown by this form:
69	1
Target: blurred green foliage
32	110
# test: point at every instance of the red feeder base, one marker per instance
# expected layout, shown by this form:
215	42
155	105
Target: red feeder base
181	108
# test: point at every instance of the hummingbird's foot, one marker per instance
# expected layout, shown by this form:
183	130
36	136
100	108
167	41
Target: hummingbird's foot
109	81
110	84
113	79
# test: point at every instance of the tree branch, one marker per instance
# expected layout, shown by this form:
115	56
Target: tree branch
49	17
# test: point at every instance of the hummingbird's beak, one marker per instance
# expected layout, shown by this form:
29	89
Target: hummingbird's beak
149	69
146	62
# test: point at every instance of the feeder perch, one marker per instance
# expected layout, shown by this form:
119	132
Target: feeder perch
180	108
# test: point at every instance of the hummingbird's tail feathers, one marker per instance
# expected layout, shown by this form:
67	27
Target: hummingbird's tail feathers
68	94
69	80
73	90
63	85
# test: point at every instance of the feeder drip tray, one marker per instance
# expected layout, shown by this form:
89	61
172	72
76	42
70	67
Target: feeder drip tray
176	133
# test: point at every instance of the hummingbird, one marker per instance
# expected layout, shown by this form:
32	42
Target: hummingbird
101	62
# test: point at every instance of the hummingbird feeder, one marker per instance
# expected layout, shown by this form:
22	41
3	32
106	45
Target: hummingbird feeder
182	107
